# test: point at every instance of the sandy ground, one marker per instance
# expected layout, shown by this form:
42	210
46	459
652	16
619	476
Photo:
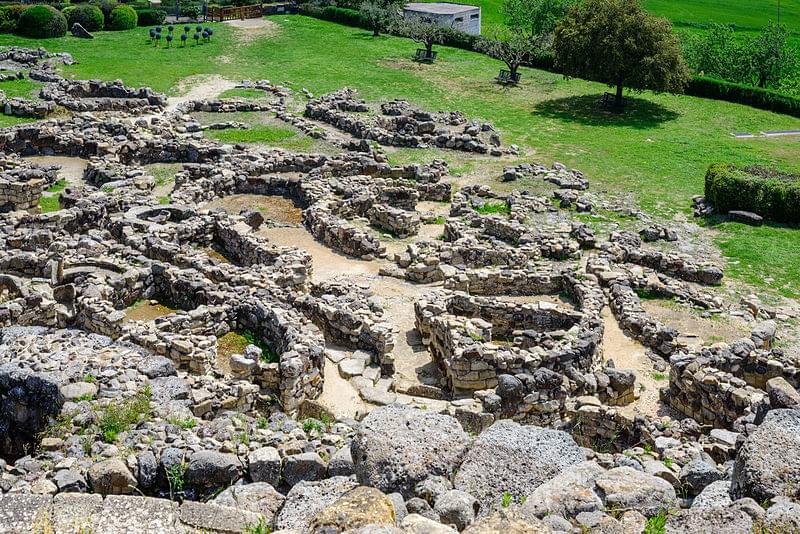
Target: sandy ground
627	353
249	30
199	87
275	208
327	263
696	329
71	168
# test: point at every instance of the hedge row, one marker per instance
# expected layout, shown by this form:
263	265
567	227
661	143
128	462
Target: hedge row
774	197
744	94
151	17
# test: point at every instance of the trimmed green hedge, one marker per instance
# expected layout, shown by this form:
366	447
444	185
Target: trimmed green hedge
87	15
42	21
744	94
9	16
123	18
772	195
151	17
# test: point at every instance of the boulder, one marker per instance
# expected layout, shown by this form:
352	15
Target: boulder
417	524
509	457
782	394
746	217
508	521
258	497
568	494
432	488
341	463
715	495
727	520
306	499
782	516
357	508
457	508
697	474
624	488
79	31
397	447
304	466
768	463
111	477
264	465
212	469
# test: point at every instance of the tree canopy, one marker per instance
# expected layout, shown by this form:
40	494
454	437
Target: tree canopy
618	43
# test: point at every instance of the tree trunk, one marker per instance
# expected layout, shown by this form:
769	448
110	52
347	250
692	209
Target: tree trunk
428	50
512	68
618	101
376	31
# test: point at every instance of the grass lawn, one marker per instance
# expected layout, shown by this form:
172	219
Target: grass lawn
658	150
264	134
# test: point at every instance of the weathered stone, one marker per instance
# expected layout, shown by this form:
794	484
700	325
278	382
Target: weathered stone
520	458
397	447
357	508
111	477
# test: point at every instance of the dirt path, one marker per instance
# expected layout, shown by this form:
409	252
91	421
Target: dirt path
629	354
249	30
327	263
198	87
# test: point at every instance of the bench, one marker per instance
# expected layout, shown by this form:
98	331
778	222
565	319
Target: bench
506	78
423	56
609	101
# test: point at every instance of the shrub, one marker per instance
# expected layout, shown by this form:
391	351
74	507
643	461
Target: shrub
771	194
9	16
87	15
122	18
744	94
42	21
151	17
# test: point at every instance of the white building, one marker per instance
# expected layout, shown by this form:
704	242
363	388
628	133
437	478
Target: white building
457	16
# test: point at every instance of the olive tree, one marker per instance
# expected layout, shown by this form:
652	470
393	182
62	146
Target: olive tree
618	43
528	29
380	14
770	57
424	30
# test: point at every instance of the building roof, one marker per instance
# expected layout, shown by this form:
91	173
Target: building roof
440	8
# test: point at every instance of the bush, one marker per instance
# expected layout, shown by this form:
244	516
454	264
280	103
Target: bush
87	15
42	21
9	16
771	194
151	17
123	18
744	94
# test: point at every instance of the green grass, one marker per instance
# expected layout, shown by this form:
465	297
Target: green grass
49	204
57	187
743	13
494	208
243	93
235	343
120	417
763	255
658	150
265	135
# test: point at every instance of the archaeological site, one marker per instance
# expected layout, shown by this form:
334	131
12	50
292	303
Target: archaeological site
403	323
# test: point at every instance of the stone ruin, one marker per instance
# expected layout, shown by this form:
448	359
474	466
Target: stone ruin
114	423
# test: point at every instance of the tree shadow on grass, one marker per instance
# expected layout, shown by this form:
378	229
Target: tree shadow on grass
588	110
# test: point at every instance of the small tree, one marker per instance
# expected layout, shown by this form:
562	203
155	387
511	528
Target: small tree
511	47
717	53
423	30
534	17
771	58
618	43
380	14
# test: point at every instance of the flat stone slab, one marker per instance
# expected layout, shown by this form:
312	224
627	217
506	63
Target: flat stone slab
351	367
746	217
